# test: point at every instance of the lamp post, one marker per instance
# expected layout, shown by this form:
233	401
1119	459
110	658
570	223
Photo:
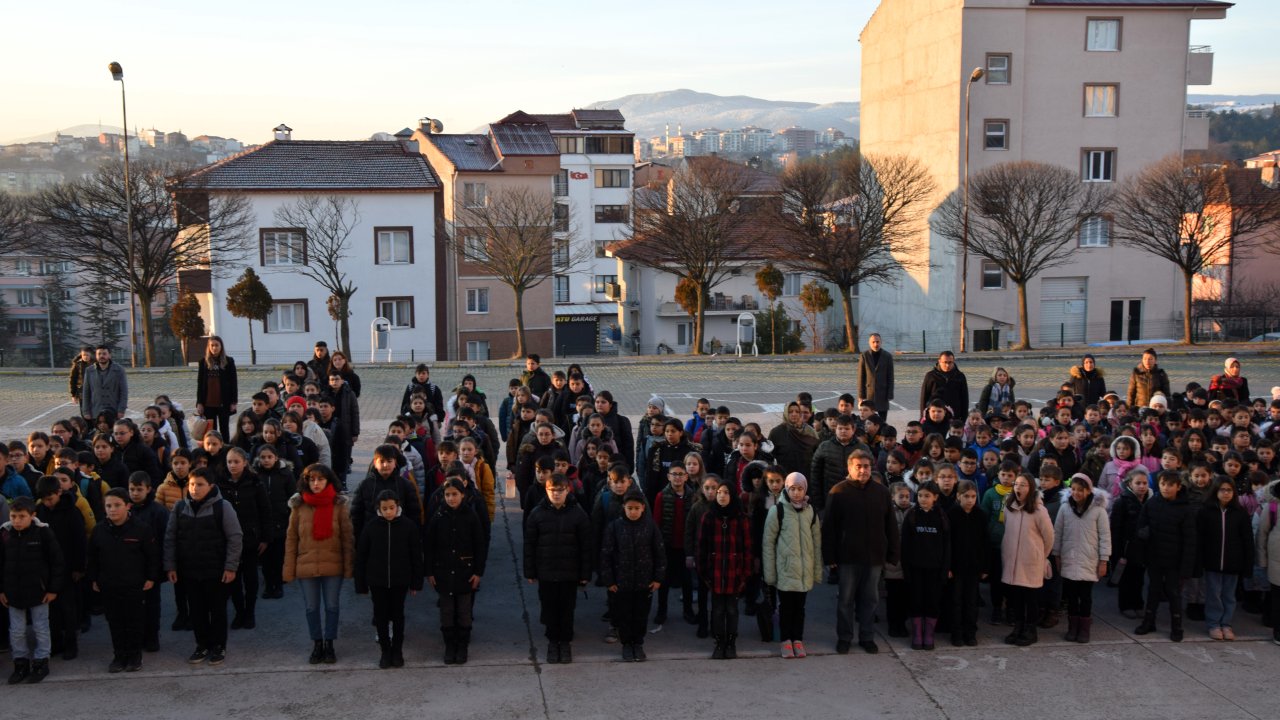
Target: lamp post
117	73
974	77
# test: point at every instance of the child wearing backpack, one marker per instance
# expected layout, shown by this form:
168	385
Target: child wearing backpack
792	560
31	576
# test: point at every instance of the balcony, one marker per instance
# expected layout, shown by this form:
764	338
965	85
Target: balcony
720	304
1200	65
613	291
1195	130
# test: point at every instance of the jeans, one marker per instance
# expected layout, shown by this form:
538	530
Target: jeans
1219	598
858	595
18	632
315	589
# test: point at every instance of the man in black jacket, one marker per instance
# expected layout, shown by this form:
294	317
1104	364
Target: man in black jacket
859	535
947	383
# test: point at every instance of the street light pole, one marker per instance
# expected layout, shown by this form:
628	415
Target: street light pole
974	77
117	73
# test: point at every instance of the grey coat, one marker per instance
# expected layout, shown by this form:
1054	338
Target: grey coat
104	390
875	379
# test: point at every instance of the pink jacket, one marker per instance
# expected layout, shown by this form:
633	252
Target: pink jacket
1028	540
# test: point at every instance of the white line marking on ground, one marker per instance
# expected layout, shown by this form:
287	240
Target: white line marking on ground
46	412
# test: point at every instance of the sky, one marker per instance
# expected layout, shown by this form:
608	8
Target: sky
343	70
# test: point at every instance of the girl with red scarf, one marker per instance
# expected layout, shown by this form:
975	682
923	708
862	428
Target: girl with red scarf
1230	385
319	552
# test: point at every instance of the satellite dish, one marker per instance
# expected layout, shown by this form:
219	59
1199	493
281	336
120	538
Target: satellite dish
437	126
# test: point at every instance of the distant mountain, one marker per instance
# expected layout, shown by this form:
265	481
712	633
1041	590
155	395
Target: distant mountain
1265	99
648	114
74	131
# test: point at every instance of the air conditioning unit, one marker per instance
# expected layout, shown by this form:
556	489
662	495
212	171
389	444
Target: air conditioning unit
613	291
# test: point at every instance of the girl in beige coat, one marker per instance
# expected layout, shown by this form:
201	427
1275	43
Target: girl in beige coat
319	551
1028	539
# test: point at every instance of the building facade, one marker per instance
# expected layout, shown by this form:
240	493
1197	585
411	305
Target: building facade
1096	86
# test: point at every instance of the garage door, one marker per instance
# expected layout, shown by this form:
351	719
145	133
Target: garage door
577	335
1062	310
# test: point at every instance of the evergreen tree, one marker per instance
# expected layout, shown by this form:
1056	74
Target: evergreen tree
185	321
250	299
58	322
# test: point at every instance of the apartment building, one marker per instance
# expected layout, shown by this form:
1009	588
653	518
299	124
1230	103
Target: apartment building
516	154
1098	86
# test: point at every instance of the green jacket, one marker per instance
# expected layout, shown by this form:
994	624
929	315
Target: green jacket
792	559
993	505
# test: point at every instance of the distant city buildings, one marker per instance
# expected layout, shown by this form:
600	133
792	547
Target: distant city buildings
748	141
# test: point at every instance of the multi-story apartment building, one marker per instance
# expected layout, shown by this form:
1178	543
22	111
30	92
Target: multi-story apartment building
390	254
594	200
517	155
1098	86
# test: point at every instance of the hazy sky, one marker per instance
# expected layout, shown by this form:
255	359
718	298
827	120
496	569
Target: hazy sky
343	70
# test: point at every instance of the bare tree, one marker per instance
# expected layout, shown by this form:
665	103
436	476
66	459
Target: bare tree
13	224
1195	216
1024	217
176	226
326	223
513	237
853	220
698	227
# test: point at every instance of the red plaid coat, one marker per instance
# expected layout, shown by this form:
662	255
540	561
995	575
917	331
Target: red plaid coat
724	551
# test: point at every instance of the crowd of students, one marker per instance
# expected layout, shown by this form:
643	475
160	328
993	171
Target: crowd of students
1169	496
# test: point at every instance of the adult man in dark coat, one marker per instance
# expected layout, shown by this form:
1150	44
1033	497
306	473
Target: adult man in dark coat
875	376
947	383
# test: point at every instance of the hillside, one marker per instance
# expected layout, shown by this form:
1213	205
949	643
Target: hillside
74	131
649	113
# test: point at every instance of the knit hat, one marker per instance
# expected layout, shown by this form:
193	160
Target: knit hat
1227	365
658	402
1082	479
296	402
796	478
1158	399
1088	356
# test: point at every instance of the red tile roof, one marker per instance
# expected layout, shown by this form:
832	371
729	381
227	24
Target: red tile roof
320	165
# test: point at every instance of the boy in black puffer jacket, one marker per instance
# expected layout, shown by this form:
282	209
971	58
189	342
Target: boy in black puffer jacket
456	550
388	565
124	563
1167	528
58	510
968	566
633	564
557	557
31	576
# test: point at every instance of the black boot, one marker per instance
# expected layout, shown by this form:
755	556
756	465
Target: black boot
397	650
1029	635
317	653
1148	624
1175	628
463	641
330	657
731	647
553	653
39	671
250	620
1018	629
628	652
1195	611
384	661
639	650
718	653
566	653
450	645
764	620
21	669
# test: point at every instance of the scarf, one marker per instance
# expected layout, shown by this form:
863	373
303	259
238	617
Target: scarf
1079	508
322	522
1002	490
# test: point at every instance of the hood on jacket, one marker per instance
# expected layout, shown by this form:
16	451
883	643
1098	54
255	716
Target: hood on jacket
1137	447
1077	372
295	501
35	522
992	379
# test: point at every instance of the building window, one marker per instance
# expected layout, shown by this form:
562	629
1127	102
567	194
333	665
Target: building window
611	213
610	145
399	310
475	249
560	252
475	195
1095	231
684	334
26	298
282	248
393	246
791	284
613	178
562	184
600	248
477	349
119	328
1100	100
992	277
1099	166
998	69
995	135
600	280
288	316
26	327
117	297
560	217
560	286
49	267
22	267
1103	35
477	301
569	144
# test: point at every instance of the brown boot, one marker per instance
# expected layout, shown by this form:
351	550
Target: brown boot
1086	624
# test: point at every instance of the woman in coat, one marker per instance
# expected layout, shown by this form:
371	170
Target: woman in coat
792	559
1088	381
724	564
997	393
1082	544
319	551
1024	551
794	441
216	386
1230	385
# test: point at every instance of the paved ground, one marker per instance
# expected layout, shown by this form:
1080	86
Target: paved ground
266	675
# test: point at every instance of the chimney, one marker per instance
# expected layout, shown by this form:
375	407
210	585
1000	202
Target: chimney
1271	175
283	132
